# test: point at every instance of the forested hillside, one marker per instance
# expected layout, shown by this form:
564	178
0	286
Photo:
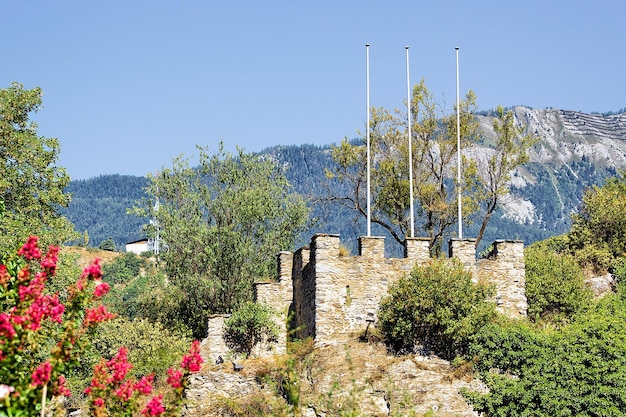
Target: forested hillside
575	151
98	206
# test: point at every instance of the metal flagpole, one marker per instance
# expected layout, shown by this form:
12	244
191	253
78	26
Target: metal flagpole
408	107
458	145
367	95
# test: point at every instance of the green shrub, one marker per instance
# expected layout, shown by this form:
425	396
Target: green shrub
249	325
123	268
555	286
578	370
437	306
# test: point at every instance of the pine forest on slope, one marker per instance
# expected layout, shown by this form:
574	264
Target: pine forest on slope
576	150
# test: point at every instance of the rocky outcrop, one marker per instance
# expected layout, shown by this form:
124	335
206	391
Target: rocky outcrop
353	377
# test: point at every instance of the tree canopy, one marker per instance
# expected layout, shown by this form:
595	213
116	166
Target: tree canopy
223	224
31	183
434	158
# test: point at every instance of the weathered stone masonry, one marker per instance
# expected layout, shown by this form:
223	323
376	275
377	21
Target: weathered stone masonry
332	298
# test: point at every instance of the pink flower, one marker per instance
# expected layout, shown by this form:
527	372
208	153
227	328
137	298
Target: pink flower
97	315
193	361
41	376
5	390
125	391
144	385
30	250
101	289
154	407
93	271
98	402
49	262
119	365
4	275
174	378
61	389
34	288
6	327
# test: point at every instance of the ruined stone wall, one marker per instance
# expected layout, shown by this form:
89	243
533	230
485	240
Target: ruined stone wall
334	298
214	344
344	292
505	268
278	295
348	289
303	308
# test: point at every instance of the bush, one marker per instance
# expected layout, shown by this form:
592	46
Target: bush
123	268
577	371
249	325
438	306
555	286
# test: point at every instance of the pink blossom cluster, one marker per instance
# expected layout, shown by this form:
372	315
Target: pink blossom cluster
25	307
113	390
193	361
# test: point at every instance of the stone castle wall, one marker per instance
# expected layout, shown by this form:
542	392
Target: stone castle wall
332	298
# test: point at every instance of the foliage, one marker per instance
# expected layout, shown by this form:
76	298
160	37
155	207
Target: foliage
42	337
123	268
31	184
223	223
114	393
509	151
435	147
579	370
598	232
555	285
249	325
438	306
107	244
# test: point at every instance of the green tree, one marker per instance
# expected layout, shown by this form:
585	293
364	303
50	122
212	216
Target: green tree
598	233
508	151
31	182
223	223
437	306
434	148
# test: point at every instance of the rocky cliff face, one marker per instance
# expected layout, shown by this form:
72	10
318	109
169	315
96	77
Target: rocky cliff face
575	150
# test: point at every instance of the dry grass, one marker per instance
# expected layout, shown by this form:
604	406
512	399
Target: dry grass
87	255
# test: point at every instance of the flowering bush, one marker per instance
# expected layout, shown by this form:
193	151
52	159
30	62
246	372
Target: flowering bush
40	336
41	339
113	393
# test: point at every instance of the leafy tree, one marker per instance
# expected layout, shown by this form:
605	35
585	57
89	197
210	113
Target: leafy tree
249	325
598	232
31	184
555	285
434	149
437	306
223	223
509	151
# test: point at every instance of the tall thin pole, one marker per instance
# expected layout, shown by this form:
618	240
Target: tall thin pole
408	112
458	146
367	99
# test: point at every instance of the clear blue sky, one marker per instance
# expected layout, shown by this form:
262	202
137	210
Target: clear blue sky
128	85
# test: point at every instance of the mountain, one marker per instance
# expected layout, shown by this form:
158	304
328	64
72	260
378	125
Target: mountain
576	150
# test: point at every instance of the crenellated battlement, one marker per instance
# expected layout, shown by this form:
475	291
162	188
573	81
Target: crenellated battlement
332	296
